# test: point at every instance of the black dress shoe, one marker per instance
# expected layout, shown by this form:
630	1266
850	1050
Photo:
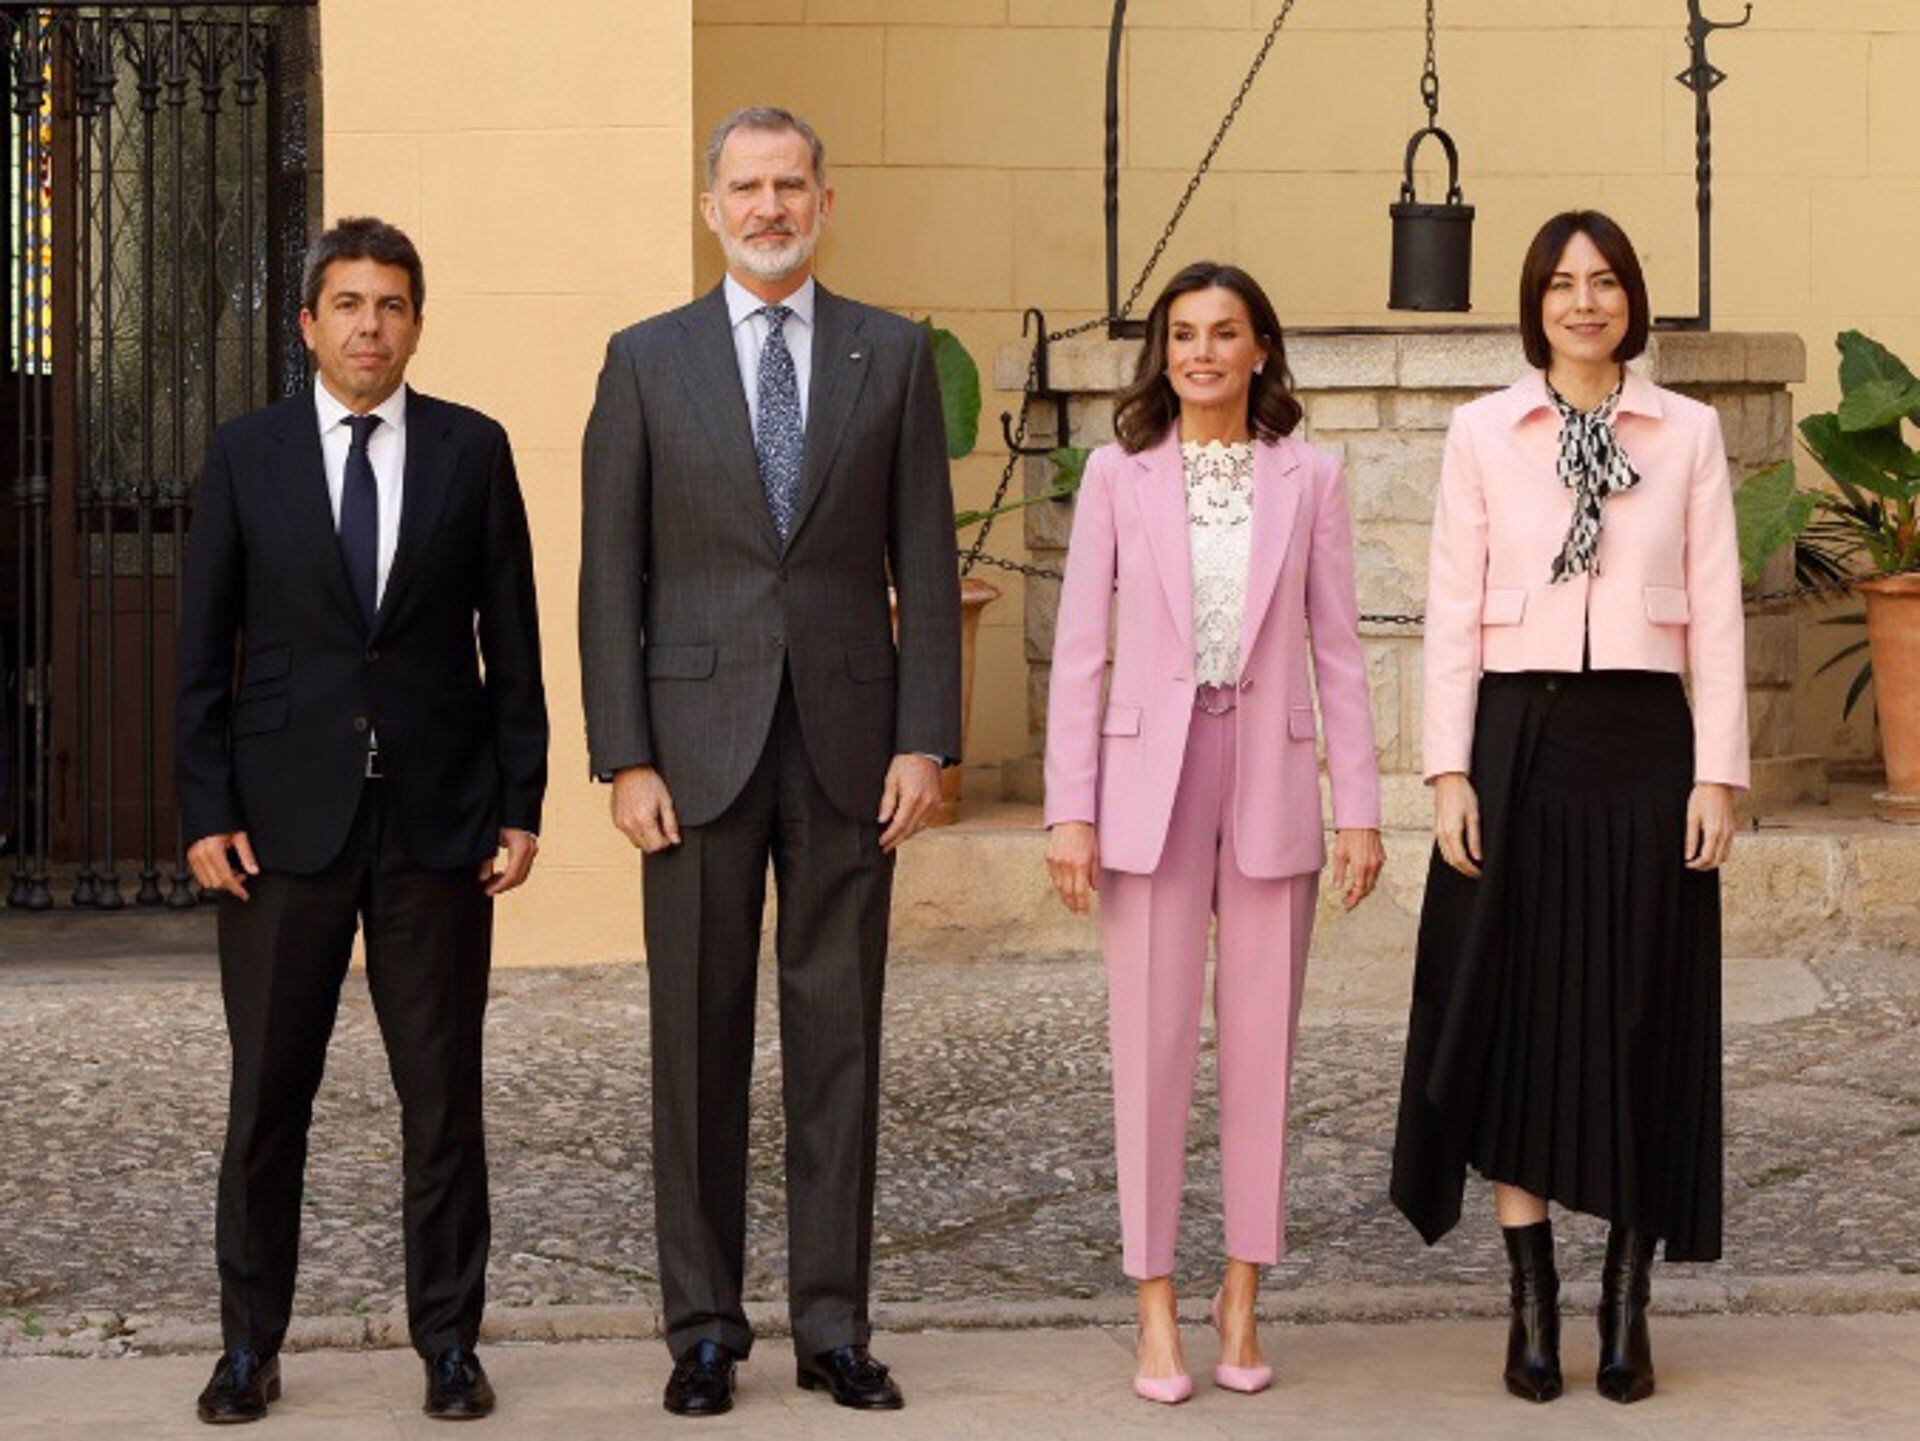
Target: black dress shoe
241	1387
854	1378
702	1381
1533	1336
1626	1351
457	1387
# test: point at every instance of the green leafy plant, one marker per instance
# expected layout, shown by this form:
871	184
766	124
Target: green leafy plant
1867	522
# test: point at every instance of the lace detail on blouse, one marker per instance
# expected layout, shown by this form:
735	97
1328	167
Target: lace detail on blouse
1219	530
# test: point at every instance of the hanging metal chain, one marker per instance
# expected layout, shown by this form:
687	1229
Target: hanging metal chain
973	555
1430	77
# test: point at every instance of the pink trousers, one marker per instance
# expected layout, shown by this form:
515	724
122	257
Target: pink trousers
1153	931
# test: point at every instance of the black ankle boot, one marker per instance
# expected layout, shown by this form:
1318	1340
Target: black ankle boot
1626	1351
1533	1340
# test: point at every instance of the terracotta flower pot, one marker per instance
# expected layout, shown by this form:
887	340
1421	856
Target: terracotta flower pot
1893	639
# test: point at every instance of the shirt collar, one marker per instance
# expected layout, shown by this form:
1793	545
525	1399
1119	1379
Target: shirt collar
392	411
1638	396
742	302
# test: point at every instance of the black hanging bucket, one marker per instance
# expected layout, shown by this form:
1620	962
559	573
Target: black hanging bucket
1432	244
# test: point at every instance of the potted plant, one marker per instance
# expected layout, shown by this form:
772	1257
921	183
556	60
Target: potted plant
1867	522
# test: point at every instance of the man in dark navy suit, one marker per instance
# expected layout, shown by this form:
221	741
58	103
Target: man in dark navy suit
360	550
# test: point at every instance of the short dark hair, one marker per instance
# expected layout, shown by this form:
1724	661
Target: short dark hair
362	237
1145	410
1543	258
772	118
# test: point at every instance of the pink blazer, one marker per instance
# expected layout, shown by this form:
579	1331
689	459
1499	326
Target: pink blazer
1117	763
1667	596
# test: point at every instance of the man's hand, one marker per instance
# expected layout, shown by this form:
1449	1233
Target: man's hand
1073	861
643	810
521	847
912	791
1456	823
1709	825
1357	859
208	859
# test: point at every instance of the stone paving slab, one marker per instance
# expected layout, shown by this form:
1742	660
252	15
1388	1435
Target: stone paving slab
996	1181
1720	1378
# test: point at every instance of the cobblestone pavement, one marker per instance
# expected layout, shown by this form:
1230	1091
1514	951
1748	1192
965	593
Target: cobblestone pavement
996	1165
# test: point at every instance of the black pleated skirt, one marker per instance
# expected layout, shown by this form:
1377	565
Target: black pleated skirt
1565	1028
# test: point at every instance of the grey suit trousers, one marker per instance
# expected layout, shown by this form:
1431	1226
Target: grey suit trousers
704	900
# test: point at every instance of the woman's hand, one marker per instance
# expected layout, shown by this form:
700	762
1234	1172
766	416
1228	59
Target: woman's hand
1073	860
1357	859
1456	823
1709	826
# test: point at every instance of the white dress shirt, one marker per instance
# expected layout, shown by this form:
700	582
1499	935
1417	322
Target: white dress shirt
750	330
386	449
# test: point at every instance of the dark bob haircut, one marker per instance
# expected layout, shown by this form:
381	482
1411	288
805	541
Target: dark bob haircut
362	237
1145	411
1543	259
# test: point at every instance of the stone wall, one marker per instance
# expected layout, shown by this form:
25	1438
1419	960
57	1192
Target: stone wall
1381	401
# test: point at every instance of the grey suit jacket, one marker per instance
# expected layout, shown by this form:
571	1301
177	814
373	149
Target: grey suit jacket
690	606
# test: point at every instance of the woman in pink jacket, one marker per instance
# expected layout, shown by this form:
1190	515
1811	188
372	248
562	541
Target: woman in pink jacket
1564	1040
1217	547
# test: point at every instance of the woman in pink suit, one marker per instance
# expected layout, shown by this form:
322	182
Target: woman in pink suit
1564	1040
1217	545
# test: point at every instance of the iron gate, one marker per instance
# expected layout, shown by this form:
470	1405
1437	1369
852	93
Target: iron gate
162	197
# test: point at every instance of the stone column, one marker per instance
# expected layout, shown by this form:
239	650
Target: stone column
1381	401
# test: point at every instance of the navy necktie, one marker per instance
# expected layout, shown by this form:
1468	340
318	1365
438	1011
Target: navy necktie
360	519
779	439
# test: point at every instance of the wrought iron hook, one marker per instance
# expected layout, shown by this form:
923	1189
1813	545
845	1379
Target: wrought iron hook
1034	322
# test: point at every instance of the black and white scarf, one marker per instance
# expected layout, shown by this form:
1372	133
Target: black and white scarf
1593	467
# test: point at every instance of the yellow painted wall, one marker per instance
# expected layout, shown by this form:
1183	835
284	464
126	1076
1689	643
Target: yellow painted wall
538	157
966	142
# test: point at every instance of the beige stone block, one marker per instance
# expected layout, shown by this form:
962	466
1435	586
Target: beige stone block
375	173
1039	678
1023	780
1773	649
1780	782
1798	103
585	64
1047	528
1319	243
952	877
1043	608
1208	231
1342	410
1696	358
1489	89
1088	363
1862	255
1762	259
1383	689
997	727
956	253
1090	420
489	202
1776	358
938	76
1893	116
1779	891
1780	431
804	68
748	12
1334	362
1057	243
1391	560
908	12
1392	476
1098	14
1325	103
1770	720
1882	890
1423	409
1492	359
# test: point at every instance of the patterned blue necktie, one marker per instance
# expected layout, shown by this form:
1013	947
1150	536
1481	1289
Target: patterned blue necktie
779	439
360	518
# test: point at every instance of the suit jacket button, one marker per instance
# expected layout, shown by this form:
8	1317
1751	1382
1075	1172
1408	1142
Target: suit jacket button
373	657
360	724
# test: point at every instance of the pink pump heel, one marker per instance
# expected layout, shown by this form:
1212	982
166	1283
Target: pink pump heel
1247	1380
1163	1390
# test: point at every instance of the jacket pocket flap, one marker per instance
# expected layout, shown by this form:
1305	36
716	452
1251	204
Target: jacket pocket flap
269	662
679	662
1667	605
1121	720
1503	606
870	662
254	717
1300	722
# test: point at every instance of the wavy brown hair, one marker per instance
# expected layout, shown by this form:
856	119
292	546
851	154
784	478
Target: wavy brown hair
1145	411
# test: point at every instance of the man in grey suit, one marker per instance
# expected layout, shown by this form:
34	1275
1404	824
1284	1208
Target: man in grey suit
759	466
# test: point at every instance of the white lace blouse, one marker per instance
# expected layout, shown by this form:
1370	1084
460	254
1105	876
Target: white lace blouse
1220	532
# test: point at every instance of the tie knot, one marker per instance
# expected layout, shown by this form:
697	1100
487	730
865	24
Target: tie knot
362	427
776	316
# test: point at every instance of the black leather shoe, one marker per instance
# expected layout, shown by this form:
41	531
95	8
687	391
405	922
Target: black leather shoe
1533	1337
1626	1350
241	1387
854	1378
702	1381
457	1387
